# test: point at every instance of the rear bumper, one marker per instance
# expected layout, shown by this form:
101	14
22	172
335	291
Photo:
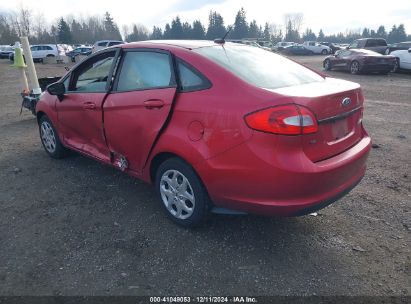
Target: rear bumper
281	184
377	68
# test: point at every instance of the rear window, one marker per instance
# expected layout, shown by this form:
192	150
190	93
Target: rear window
259	67
114	43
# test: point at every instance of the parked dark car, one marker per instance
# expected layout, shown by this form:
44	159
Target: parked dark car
85	51
378	45
334	48
296	50
358	61
398	47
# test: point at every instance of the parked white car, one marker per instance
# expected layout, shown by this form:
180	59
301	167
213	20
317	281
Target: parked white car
281	45
403	60
102	44
317	48
41	51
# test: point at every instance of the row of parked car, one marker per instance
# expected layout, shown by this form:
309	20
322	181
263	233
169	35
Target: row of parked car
41	51
363	55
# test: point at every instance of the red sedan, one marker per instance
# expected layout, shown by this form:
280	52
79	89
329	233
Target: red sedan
216	127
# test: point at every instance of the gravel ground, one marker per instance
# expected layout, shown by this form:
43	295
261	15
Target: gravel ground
76	227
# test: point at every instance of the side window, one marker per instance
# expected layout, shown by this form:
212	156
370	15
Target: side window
93	75
102	43
191	80
47	47
145	70
371	43
114	43
34	48
66	83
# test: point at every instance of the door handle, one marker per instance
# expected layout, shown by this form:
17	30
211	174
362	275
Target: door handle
89	105
154	104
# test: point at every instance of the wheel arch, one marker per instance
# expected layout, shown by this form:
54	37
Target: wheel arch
161	157
39	115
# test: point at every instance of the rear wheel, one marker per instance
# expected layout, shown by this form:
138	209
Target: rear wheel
396	67
327	64
354	67
183	196
50	139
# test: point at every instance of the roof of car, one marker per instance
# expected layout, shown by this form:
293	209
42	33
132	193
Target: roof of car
187	44
365	51
370	39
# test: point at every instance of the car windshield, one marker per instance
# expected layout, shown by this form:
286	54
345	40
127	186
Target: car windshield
259	67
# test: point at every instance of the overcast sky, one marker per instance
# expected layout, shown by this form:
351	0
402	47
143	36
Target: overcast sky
328	15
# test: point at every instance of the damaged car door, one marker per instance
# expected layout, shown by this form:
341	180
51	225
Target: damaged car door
80	111
138	106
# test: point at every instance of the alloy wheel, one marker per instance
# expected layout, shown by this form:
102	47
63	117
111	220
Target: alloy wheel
355	67
177	194
48	137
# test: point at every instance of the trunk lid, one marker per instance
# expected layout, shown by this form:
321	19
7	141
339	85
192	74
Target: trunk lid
338	106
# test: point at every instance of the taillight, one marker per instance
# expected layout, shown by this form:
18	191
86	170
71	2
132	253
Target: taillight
287	120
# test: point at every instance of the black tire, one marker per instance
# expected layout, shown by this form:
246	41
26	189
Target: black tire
324	52
355	67
174	193
54	149
396	67
327	65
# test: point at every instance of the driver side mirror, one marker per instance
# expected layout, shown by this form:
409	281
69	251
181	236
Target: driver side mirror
57	89
409	50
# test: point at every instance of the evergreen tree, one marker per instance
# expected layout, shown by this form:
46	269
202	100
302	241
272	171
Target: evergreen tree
111	28
366	33
392	36
321	36
63	32
291	34
187	31
198	31
309	35
139	33
401	34
381	32
176	31
156	34
254	30
167	32
216	28
267	34
241	28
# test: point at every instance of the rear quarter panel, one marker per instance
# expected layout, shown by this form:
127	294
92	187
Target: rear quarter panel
218	114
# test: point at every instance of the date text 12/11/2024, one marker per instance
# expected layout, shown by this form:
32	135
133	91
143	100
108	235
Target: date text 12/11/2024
203	299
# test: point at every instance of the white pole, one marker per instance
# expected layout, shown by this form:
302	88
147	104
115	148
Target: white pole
30	65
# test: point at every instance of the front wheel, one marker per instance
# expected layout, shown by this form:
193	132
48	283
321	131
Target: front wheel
183	196
50	139
324	52
354	67
327	64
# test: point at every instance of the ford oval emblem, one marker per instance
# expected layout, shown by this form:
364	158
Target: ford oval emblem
346	102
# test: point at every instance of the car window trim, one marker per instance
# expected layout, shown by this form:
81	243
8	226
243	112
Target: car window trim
97	54
144	50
